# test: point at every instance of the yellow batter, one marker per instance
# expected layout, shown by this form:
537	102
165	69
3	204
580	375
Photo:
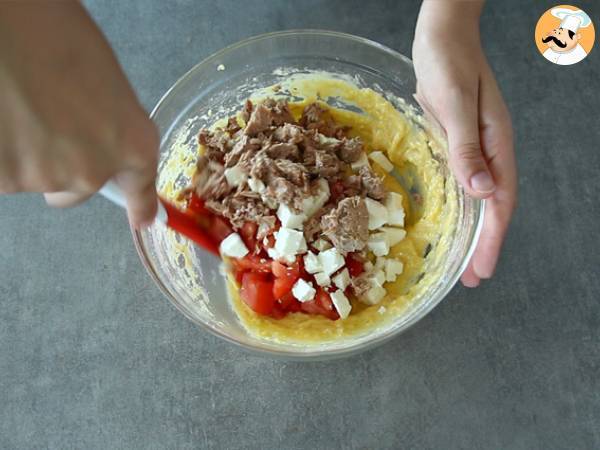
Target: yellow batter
430	216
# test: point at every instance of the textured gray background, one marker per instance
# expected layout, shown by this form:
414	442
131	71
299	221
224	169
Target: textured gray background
92	356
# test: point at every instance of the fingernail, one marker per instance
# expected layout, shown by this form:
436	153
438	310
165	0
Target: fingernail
483	182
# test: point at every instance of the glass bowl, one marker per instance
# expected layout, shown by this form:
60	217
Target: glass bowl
193	280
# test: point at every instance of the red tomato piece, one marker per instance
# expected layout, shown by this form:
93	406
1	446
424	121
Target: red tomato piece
252	263
248	233
282	286
321	304
355	266
219	228
287	300
257	293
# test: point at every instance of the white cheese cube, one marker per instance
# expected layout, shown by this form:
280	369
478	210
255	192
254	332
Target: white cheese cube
382	309
378	214
256	185
342	279
378	244
368	266
273	254
289	243
341	303
322	245
289	219
380	263
312	204
312	264
394	235
233	246
235	176
360	162
322	279
374	295
379	277
331	260
382	160
395	210
303	290
393	268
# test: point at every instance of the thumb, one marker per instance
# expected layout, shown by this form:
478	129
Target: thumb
460	119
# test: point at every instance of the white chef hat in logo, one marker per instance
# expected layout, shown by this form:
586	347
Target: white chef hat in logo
571	20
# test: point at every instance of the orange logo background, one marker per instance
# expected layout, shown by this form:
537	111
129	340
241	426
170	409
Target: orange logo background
548	22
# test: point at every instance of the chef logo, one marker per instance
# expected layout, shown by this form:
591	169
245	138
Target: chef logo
564	35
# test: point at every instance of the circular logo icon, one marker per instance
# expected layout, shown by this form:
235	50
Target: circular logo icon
565	35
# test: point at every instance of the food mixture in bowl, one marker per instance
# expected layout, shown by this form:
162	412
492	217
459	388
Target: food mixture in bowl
335	209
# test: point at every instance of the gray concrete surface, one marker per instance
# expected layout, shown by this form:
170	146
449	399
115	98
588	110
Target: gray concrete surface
92	356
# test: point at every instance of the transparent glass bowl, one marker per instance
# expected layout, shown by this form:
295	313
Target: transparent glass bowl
214	89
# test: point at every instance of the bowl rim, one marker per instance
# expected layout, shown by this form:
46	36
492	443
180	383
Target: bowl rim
311	355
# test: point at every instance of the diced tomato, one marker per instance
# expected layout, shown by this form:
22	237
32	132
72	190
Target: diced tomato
238	274
219	228
278	313
280	270
321	304
257	292
355	267
285	277
323	298
286	300
282	286
248	233
252	263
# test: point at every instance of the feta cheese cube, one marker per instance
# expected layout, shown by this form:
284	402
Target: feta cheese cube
374	295
331	260
395	210
233	246
382	160
379	277
394	235
378	214
256	185
289	243
235	176
393	268
273	254
341	303
289	219
322	279
303	290
321	245
360	162
378	244
312	264
342	279
368	266
311	205
380	263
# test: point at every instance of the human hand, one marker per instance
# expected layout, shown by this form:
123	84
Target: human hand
69	120
456	85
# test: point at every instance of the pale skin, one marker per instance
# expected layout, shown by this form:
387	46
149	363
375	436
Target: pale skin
456	85
70	121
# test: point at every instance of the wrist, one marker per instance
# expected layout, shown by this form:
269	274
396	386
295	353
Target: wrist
447	18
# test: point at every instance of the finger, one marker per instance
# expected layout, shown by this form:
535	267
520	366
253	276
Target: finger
469	278
66	199
497	142
460	119
138	179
